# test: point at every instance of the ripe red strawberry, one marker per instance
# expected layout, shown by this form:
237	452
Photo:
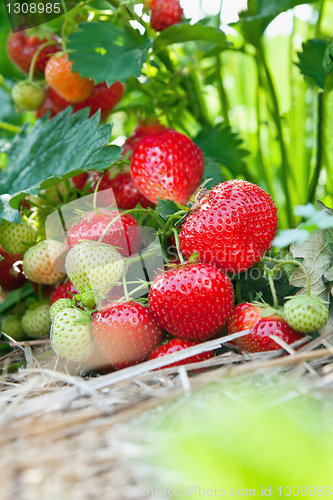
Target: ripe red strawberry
192	301
167	166
124	234
233	226
53	103
64	290
21	48
143	129
249	317
104	98
80	180
165	13
176	345
126	333
125	192
70	86
10	278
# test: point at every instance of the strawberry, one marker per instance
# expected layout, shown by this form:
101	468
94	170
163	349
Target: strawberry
44	262
13	236
250	317
98	362
64	290
80	180
124	234
36	321
28	95
11	277
69	85
95	265
104	98
167	166
126	333
232	227
21	48
12	326
176	345
143	129
165	13
305	314
53	103
58	306
125	192
192	301
71	335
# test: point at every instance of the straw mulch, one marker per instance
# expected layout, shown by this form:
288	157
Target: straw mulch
70	435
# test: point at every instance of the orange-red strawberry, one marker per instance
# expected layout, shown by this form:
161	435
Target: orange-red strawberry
21	48
70	86
167	166
104	98
124	234
165	13
232	227
126	333
176	345
192	301
143	129
249	317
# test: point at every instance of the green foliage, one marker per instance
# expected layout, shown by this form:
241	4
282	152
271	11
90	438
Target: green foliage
165	208
212	171
312	60
104	52
224	147
54	151
181	33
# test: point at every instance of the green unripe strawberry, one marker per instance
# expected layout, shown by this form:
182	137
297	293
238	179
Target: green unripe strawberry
28	95
94	265
12	236
36	322
305	314
44	262
71	335
12	326
58	306
87	299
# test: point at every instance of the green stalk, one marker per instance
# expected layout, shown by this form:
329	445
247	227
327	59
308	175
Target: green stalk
285	167
3	85
221	91
10	128
35	57
320	18
320	146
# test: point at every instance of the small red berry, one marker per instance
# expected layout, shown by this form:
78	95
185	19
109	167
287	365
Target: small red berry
165	13
143	129
176	345
104	98
64	290
249	317
11	277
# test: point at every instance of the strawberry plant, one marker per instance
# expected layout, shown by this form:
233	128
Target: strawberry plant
156	176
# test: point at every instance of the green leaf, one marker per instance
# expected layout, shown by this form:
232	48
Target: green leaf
6	211
165	208
104	52
181	33
323	208
311	60
254	281
56	150
260	13
224	147
316	257
212	171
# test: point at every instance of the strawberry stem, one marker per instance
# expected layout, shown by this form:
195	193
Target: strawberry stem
272	287
35	57
10	128
96	190
127	297
295	263
176	236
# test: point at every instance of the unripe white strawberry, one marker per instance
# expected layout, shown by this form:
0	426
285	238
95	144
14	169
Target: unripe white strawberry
305	314
95	265
71	335
44	262
12	326
59	305
13	235
36	322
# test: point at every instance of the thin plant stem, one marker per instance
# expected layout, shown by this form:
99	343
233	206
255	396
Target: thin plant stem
293	262
125	287
285	166
320	146
273	291
176	236
35	57
320	18
10	128
221	91
96	190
